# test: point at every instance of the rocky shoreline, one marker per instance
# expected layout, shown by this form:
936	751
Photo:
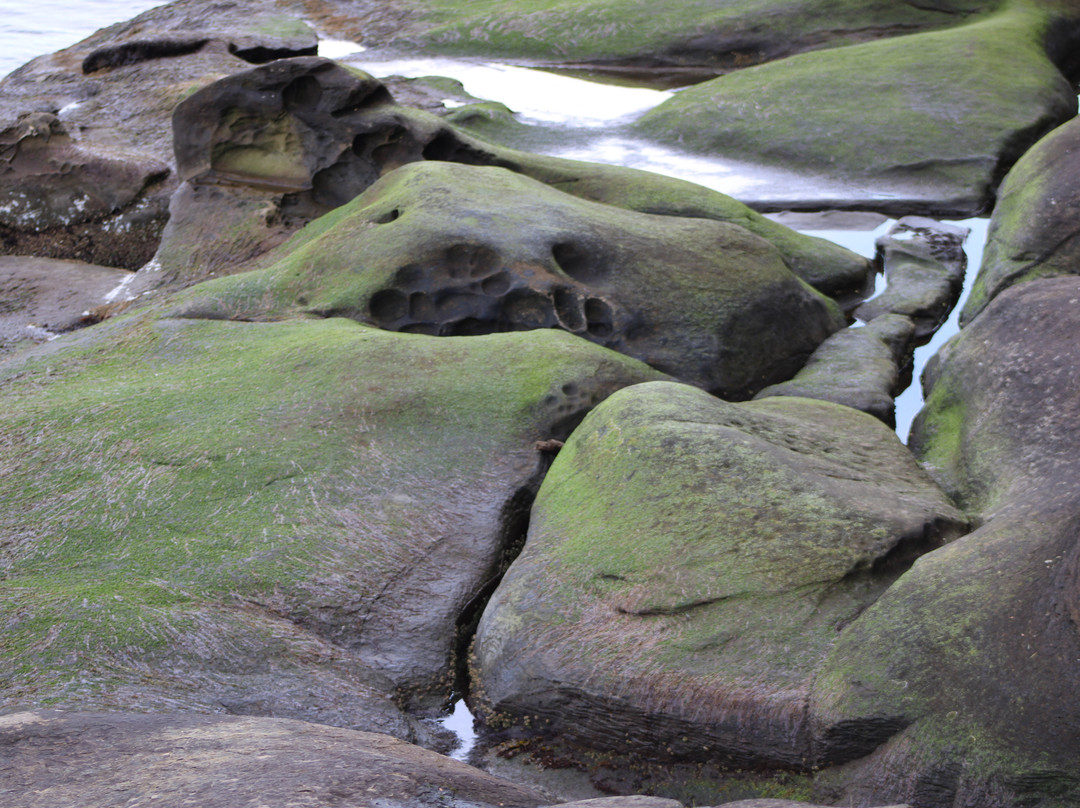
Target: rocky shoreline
328	401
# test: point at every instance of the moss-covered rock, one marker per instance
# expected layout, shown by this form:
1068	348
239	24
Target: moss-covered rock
975	649
1033	231
688	566
862	368
267	518
695	33
266	150
457	250
938	116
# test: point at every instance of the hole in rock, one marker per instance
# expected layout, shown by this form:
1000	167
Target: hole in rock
386	218
526	309
471	261
303	92
448	147
577	263
260	54
568	309
388	306
497	285
363	98
131	53
599	316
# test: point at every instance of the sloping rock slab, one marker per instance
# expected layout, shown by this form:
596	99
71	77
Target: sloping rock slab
455	250
288	519
936	117
49	295
1035	228
97	760
688	566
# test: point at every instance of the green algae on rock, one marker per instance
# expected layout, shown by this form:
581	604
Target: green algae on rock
687	568
456	250
267	518
1033	230
630	33
975	647
937	116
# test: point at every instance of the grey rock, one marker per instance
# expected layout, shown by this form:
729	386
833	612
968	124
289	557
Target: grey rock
97	760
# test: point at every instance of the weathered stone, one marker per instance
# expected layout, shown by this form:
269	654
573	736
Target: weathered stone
50	759
103	196
455	250
629	34
688	566
1033	231
621	802
935	118
924	264
288	154
41	297
974	649
256	518
862	368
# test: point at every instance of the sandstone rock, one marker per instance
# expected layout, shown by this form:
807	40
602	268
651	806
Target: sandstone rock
688	566
974	649
935	118
621	802
290	519
94	183
264	151
50	296
862	368
628	34
50	759
455	250
1033	230
924	264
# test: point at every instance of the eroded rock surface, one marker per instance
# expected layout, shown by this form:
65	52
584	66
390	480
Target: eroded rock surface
439	249
50	759
689	565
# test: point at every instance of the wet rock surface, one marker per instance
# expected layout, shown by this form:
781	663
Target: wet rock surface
1033	230
242	496
43	297
688	566
704	301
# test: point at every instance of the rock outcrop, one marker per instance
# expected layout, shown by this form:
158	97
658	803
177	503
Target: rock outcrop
455	250
974	650
932	119
688	567
1033	230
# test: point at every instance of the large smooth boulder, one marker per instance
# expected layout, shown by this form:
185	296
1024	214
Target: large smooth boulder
454	250
934	118
290	519
688	567
50	759
1033	230
974	650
